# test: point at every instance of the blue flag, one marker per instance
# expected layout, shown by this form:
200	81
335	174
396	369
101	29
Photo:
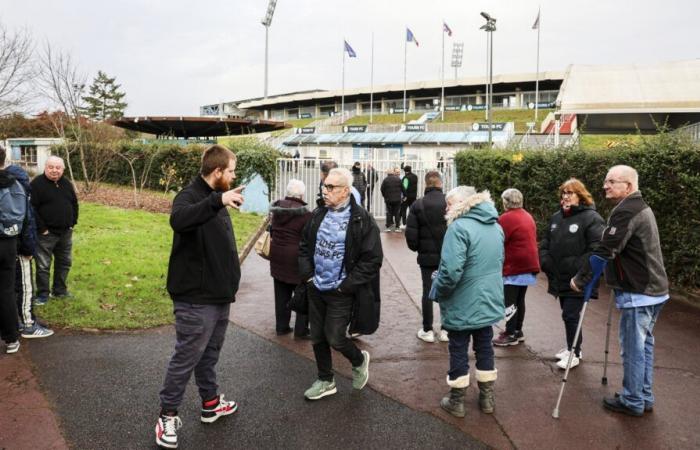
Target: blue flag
351	52
410	37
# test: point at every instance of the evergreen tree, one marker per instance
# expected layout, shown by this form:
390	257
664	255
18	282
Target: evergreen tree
105	99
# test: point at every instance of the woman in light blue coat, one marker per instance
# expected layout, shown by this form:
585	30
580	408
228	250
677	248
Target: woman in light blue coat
469	289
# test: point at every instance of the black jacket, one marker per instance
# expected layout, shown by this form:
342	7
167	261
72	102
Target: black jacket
55	204
409	185
566	245
7	179
391	189
204	266
362	261
289	216
426	237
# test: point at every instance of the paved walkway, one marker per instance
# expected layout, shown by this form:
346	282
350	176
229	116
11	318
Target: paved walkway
102	389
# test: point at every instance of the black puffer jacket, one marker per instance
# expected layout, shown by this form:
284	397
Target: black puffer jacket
421	237
409	184
362	261
567	244
391	189
289	216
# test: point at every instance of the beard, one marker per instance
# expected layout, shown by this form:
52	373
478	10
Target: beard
220	185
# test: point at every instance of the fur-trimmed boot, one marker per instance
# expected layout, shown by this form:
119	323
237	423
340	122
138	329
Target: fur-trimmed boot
453	403
487	399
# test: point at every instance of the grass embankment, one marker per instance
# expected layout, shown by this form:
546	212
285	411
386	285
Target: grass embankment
299	123
603	141
120	262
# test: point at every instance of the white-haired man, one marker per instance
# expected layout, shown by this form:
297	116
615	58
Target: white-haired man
636	273
340	255
56	206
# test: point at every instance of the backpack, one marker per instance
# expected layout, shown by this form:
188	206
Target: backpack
13	209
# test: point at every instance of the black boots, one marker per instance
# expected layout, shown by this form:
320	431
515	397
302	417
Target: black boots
487	399
454	402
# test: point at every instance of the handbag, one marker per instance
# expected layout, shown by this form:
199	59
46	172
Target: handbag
299	303
262	245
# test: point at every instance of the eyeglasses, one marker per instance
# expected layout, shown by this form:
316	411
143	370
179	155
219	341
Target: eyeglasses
330	187
567	194
614	181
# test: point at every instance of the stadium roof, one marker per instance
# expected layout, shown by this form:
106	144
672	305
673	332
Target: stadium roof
188	127
670	87
443	138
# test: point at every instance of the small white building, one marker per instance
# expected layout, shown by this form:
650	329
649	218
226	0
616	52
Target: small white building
29	153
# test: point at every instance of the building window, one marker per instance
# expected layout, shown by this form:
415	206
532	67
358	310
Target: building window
25	155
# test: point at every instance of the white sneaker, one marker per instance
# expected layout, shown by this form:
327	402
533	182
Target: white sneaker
427	336
222	408
562	354
574	362
12	347
166	431
442	336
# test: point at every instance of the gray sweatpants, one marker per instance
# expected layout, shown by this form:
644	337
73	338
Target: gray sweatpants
200	332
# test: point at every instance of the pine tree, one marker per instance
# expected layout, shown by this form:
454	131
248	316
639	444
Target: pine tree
105	99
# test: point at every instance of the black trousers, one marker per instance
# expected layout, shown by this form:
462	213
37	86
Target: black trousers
24	290
283	293
570	314
515	295
9	326
393	214
405	205
329	316
426	303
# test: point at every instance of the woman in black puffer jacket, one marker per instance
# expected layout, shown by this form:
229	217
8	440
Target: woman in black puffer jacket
572	234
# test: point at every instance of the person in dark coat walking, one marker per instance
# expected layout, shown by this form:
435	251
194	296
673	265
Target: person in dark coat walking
573	232
391	191
203	276
372	178
339	258
289	216
409	189
425	231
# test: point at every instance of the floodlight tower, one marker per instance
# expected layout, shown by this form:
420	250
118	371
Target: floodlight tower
267	21
457	52
489	27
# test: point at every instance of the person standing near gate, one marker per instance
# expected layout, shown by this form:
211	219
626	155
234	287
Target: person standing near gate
636	273
56	206
391	191
409	188
359	181
203	276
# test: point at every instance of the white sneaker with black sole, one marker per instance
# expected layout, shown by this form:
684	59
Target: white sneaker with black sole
426	336
12	347
222	408
166	431
575	361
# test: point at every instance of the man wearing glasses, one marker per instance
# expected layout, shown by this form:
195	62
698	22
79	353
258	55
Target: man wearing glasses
636	272
340	255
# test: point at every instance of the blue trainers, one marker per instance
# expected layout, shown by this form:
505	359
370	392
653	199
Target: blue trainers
35	331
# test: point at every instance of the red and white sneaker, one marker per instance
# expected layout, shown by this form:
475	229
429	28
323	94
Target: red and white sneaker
211	413
166	431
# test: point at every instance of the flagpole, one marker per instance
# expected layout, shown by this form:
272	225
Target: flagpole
342	97
537	79
442	95
405	53
371	83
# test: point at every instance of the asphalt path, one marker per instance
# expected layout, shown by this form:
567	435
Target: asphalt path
104	390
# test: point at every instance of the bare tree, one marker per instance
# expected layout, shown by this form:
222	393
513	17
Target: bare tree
140	162
62	82
16	69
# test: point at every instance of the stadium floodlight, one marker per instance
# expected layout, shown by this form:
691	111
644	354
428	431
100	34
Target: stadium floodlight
489	27
457	53
267	21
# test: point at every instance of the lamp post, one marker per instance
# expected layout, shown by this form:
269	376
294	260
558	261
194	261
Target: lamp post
267	21
489	27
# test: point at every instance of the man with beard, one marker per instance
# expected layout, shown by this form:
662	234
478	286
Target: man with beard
203	277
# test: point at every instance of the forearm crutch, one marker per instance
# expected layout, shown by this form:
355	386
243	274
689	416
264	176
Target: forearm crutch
607	338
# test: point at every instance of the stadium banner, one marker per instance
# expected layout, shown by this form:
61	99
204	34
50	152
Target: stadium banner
476	107
397	110
453	108
306	130
356	129
305	115
416	127
496	126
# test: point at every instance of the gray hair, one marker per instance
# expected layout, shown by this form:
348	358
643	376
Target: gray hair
54	158
512	198
343	173
460	194
629	173
461	199
296	189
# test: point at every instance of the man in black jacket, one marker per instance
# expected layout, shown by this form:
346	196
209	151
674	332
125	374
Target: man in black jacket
340	255
425	230
203	276
409	188
391	191
56	206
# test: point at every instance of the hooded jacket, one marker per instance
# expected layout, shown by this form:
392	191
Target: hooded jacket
567	244
391	189
469	286
27	243
6	181
426	226
289	216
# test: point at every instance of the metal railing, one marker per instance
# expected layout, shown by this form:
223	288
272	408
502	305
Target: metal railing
693	131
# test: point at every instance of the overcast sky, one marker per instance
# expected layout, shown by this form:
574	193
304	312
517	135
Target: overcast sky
171	56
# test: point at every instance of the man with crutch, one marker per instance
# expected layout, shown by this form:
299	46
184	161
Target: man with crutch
635	271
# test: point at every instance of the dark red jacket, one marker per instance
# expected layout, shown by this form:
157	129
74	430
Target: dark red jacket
521	242
288	219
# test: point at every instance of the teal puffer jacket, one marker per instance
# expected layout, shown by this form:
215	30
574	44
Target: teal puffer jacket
469	286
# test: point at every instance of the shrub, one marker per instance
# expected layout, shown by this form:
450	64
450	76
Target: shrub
669	174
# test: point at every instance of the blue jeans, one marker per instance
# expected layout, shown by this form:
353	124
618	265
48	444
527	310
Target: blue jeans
637	352
458	347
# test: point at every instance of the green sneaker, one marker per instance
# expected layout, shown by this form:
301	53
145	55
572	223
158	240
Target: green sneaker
320	389
360	374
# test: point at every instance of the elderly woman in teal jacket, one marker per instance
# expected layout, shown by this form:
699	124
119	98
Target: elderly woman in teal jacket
469	288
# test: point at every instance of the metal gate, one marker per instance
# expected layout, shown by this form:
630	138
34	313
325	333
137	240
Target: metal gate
308	170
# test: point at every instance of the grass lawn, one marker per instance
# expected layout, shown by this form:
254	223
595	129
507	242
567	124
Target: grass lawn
603	141
120	261
299	123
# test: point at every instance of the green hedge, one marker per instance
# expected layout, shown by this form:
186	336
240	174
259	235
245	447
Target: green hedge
669	175
172	166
